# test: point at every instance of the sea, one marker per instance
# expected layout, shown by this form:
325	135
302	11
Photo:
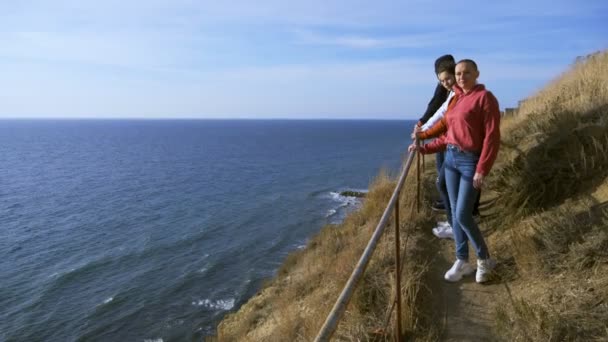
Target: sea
153	230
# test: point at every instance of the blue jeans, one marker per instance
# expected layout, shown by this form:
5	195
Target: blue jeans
439	158
459	171
443	192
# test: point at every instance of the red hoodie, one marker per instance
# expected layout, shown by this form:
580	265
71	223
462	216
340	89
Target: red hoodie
474	126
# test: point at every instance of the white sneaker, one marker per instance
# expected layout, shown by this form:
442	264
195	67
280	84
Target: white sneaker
459	269
443	232
484	270
443	224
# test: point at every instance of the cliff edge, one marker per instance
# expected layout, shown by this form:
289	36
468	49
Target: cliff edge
546	221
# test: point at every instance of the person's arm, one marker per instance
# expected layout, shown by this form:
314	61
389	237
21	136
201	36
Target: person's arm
438	99
438	114
434	146
491	141
438	129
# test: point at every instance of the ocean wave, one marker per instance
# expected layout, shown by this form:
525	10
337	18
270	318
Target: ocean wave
344	200
153	340
74	274
337	196
107	300
221	304
341	200
62	278
343	204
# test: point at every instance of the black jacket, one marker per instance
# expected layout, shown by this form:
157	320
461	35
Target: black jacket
441	94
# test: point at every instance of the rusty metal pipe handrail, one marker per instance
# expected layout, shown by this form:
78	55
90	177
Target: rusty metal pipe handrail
337	311
397	272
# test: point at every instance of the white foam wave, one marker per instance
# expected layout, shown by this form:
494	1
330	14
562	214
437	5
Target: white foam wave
63	273
331	212
107	300
153	340
335	195
302	244
220	304
345	204
343	200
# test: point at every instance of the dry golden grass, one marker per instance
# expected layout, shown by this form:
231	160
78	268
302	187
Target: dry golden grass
557	146
553	185
551	181
294	305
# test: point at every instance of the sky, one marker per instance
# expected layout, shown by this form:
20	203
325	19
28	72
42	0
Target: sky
313	59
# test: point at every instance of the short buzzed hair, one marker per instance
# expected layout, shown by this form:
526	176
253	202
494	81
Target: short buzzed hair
469	62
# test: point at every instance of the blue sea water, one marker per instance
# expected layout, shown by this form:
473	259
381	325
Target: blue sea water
118	230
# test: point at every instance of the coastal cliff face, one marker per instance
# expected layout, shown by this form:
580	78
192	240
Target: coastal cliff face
294	304
547	226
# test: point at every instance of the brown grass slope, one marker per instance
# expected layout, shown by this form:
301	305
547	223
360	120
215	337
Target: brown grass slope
294	305
549	232
552	181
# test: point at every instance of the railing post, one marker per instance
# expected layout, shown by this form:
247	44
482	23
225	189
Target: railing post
397	273
418	177
331	322
423	164
423	161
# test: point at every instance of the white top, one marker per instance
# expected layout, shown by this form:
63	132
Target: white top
438	114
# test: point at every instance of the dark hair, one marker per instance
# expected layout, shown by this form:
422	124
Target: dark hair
448	66
468	61
443	59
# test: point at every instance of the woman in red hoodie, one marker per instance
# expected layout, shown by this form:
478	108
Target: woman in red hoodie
471	143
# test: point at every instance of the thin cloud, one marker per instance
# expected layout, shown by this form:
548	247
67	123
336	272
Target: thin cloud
275	58
310	37
312	13
141	51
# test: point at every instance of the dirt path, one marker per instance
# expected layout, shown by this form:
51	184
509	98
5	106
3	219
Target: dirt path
465	309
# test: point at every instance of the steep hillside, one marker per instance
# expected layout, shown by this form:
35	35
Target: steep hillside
553	192
547	226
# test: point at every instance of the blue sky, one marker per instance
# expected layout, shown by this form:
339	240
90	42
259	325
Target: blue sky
276	59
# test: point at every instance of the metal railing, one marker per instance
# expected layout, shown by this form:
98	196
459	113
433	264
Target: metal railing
336	313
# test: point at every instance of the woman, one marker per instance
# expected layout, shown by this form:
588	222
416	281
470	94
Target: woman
433	128
440	94
438	104
471	143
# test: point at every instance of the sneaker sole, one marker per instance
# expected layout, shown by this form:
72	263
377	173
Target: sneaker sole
462	275
443	237
483	281
489	276
439	236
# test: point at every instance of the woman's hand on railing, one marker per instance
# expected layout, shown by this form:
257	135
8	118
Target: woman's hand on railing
413	147
415	132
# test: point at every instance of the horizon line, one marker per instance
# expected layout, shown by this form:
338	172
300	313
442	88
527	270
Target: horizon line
201	119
